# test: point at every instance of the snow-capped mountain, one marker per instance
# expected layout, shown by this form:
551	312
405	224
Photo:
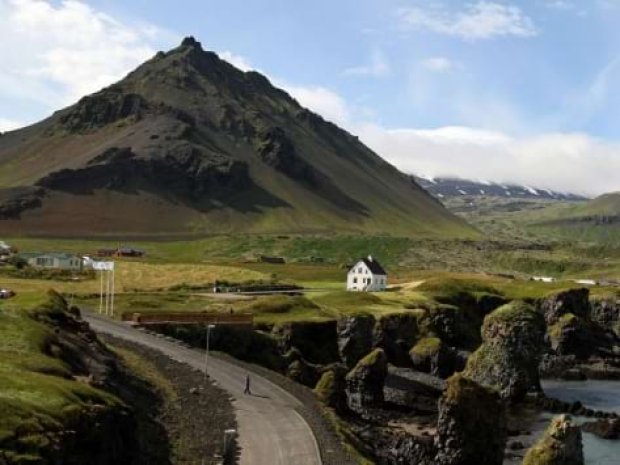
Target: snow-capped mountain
454	187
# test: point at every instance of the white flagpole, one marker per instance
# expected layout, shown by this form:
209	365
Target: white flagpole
112	301
101	293
107	294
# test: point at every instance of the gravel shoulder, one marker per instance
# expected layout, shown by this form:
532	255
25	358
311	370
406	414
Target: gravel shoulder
183	397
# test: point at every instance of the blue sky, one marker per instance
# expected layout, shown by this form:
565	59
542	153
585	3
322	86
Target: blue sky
501	90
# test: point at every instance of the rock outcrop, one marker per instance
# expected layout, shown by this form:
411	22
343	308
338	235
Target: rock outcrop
606	313
560	445
574	301
395	334
513	344
366	380
604	429
431	355
572	335
355	338
471	428
331	388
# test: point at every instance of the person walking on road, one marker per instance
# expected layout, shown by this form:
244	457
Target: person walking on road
247	385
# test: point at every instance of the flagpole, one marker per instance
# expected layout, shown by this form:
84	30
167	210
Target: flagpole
101	293
112	302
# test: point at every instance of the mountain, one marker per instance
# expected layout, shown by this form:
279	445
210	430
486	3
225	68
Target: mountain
455	187
187	144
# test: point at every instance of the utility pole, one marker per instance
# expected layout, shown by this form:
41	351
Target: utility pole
209	328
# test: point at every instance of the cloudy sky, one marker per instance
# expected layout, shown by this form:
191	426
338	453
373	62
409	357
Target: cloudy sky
512	91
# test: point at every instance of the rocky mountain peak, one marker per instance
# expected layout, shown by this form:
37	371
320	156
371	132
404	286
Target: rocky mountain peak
190	41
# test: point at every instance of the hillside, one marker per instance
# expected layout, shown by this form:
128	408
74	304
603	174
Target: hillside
596	221
188	145
454	187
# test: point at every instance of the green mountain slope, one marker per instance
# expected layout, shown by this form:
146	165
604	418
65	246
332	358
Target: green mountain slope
189	145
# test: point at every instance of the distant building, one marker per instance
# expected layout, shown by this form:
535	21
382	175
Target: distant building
543	279
53	260
367	275
267	259
120	252
586	282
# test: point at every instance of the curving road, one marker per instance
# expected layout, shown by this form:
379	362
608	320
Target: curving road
270	431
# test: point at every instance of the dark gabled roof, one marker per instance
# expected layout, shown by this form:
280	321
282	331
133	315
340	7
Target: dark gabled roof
373	265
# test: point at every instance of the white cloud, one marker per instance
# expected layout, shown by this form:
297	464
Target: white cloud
236	60
481	20
325	102
437	64
9	125
574	163
559	4
378	66
54	53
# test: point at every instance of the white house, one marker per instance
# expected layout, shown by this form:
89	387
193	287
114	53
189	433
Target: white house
367	275
54	260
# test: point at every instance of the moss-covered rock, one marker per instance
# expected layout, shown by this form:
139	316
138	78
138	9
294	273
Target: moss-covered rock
606	313
431	355
575	301
560	445
355	337
366	380
572	335
331	388
513	344
395	334
302	372
471	427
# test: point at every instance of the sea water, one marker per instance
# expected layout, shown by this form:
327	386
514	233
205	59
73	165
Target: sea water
598	395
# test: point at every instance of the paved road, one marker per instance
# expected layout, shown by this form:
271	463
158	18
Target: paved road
271	432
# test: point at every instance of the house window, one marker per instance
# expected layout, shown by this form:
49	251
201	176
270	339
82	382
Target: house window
354	280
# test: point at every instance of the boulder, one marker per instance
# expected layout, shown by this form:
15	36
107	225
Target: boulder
560	445
471	427
513	343
331	388
302	372
395	334
431	355
315	340
366	380
573	301
355	338
606	312
571	335
604	429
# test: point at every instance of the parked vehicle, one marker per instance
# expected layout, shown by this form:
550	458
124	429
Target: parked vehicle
6	293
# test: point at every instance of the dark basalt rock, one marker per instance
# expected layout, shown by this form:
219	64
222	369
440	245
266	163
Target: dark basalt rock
606	312
100	109
513	345
574	301
15	201
276	149
316	341
572	335
331	388
471	428
185	170
355	338
605	429
302	372
560	445
366	380
396	334
431	355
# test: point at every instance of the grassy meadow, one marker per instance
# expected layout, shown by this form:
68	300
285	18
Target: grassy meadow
177	276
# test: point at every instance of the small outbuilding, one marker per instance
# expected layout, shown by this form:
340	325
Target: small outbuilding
54	260
367	275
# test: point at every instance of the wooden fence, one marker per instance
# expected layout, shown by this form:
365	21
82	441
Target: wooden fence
190	318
